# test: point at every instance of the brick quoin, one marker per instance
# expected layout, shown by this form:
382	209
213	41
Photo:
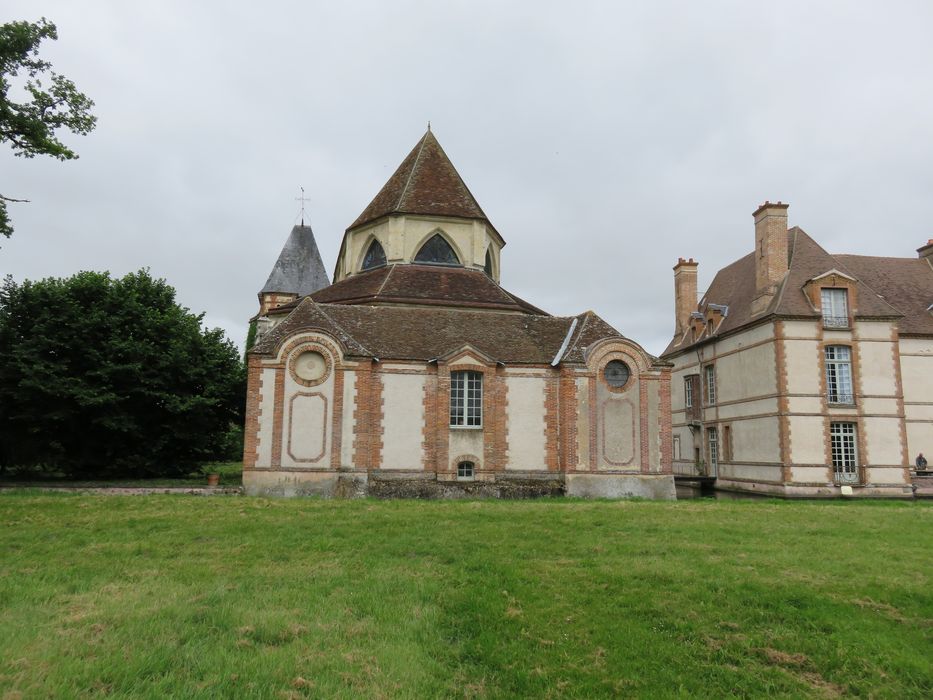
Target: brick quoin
337	422
253	412
643	420
495	421
442	423
279	408
666	430
568	409
429	427
368	414
552	423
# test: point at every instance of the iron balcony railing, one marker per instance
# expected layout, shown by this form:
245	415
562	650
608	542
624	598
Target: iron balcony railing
846	475
835	321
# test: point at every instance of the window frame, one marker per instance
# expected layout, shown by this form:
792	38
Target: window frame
462	474
712	450
688	391
831	299
840	380
843	444
465	409
374	245
443	239
709	384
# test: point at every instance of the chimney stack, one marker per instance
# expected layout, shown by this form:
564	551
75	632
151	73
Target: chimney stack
770	252
926	251
685	293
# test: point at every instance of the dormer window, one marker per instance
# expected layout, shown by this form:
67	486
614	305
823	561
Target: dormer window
835	307
375	256
437	251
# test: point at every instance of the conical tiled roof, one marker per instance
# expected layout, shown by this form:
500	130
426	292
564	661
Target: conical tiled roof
299	269
425	183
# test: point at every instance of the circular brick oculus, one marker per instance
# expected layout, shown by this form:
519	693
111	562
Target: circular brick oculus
617	373
310	366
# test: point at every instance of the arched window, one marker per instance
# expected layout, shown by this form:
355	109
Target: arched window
465	470
488	267
375	256
437	251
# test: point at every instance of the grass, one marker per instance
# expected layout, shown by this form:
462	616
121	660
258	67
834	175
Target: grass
219	597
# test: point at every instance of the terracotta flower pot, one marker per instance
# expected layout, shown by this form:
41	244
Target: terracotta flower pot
213	479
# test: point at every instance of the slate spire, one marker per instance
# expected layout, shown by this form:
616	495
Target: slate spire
425	183
299	269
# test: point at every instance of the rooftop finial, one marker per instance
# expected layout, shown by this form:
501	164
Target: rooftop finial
429	124
302	199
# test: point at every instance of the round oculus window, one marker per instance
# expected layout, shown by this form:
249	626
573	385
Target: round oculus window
617	373
310	366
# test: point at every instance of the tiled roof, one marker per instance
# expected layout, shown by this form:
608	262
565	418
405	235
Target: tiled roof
734	286
299	269
904	283
425	183
410	333
431	285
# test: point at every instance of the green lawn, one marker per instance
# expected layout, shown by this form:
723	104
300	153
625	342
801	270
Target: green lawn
229	596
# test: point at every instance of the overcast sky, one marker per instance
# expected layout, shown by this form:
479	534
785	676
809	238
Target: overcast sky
602	139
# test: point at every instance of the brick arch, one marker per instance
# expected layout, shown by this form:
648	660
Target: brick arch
620	348
330	345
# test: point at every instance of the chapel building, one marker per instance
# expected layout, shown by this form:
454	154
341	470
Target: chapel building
416	374
801	373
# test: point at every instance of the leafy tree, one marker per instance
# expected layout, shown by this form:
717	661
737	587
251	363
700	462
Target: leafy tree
52	101
108	377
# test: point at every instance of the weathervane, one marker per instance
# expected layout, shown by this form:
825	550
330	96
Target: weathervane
302	199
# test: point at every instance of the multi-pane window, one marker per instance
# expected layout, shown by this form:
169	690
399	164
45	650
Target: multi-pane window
835	306
709	375
465	470
845	458
712	444
466	399
688	392
375	256
839	374
437	251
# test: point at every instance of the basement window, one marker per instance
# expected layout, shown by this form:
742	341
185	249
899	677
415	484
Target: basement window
465	470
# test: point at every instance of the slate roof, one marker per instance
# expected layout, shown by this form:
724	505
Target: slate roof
299	269
431	285
904	283
410	333
425	183
734	286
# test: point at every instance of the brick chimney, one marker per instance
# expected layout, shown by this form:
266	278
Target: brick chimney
926	251
685	293
770	252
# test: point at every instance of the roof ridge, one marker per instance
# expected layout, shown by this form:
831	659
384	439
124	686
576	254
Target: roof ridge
579	334
341	328
414	167
386	279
